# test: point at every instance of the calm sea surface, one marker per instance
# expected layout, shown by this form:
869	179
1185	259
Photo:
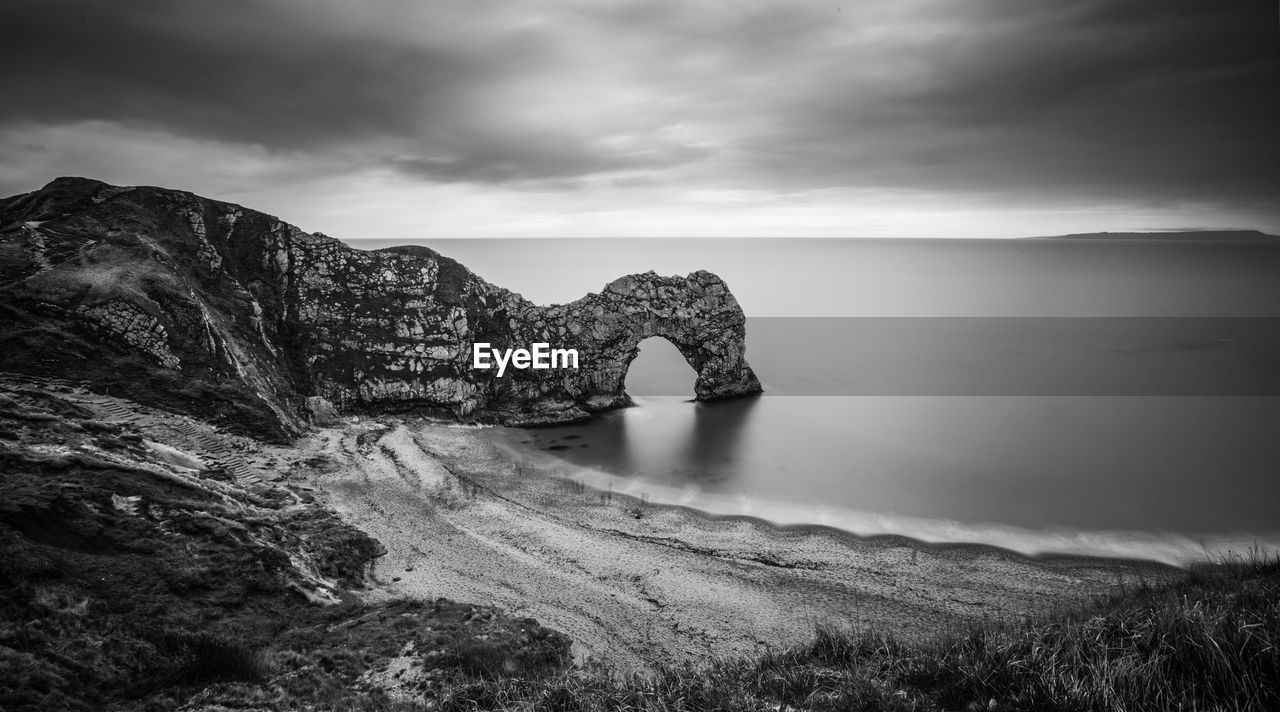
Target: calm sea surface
1046	396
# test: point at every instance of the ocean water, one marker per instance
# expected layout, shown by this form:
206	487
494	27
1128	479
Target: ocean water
1047	396
1170	478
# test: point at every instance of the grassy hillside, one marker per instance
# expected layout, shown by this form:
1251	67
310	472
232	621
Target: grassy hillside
129	581
1211	641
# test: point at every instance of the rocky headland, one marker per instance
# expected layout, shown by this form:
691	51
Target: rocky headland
222	311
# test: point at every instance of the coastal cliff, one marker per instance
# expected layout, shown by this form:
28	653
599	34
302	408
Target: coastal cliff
209	307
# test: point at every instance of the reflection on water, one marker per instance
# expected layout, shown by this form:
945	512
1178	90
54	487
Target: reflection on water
1195	471
715	441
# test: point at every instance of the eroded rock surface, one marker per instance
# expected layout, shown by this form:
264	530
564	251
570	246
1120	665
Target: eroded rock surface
221	310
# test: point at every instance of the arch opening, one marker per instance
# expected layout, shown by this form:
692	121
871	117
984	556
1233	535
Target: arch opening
659	369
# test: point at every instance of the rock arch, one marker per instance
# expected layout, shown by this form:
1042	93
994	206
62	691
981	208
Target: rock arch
697	314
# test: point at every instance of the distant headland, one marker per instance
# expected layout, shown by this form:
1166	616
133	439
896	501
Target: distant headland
1177	235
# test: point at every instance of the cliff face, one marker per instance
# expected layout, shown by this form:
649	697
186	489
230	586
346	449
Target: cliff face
211	307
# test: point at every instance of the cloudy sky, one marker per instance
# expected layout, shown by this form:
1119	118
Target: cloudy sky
458	118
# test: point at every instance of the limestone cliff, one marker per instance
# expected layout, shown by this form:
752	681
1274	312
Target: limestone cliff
214	308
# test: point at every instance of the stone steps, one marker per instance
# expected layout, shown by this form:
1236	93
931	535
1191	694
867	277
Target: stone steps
208	447
218	454
119	411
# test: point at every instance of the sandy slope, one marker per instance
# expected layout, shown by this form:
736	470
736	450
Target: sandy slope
461	521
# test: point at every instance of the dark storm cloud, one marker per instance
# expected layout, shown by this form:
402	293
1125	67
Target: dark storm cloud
1144	98
308	76
1009	70
227	70
1138	100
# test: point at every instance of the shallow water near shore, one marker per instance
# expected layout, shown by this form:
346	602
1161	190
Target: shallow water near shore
1172	479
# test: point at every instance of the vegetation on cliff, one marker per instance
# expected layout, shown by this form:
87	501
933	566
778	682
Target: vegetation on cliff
132	579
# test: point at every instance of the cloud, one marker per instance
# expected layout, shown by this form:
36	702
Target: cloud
482	97
1050	104
1054	97
283	75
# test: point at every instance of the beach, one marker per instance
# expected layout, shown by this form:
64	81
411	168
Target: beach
637	585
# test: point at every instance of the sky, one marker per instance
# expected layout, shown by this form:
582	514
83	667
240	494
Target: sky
396	119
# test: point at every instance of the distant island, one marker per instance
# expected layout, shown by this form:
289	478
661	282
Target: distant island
1180	236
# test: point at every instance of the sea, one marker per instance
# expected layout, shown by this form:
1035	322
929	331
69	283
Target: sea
1105	397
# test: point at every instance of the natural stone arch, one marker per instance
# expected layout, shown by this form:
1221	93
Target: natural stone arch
697	314
711	344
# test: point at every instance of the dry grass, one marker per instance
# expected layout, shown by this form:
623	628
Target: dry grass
1210	642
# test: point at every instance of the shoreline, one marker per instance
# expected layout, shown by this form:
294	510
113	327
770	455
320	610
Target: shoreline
1176	549
800	530
636	584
